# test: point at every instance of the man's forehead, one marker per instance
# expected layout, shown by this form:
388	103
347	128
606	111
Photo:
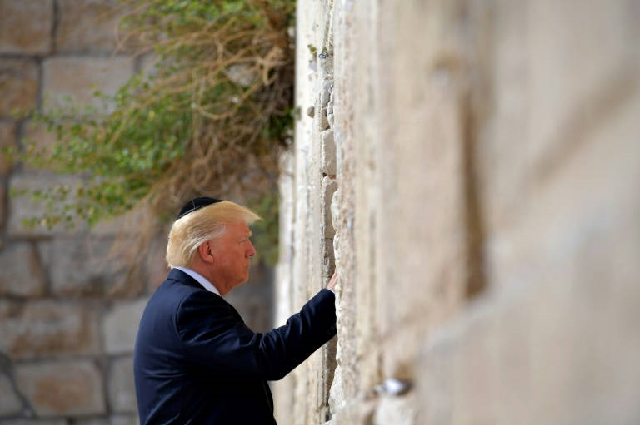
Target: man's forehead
240	227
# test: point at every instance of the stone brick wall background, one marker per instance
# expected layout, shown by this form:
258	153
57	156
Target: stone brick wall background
68	309
472	169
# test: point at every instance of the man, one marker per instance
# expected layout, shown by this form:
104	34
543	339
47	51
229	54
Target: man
195	360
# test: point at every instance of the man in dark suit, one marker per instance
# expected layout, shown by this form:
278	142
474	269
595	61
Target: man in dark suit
195	360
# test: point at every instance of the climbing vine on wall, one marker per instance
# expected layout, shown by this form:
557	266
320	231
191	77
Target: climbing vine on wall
211	117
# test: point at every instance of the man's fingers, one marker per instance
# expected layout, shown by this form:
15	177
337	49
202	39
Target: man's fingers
334	279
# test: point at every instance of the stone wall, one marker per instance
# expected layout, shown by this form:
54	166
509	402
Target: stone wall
485	159
68	308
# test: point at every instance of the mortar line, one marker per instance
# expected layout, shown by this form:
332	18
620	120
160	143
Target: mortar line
54	26
7	367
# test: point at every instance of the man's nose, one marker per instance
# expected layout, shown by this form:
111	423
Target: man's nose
252	250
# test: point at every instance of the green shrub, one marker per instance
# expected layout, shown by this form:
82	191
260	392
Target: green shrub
211	117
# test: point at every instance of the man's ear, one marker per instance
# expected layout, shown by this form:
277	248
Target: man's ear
204	251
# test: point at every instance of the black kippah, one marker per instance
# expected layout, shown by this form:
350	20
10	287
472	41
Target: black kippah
195	204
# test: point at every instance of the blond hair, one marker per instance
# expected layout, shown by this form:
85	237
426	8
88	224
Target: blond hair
197	227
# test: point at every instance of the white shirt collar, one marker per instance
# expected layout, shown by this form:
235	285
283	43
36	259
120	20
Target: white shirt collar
201	279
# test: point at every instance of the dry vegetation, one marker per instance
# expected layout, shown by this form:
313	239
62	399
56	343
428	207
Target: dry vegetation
210	118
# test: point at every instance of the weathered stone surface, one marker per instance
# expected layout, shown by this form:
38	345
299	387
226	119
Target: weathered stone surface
122	390
329	187
78	78
397	411
47	328
580	233
550	332
551	123
490	142
328	153
420	138
283	283
10	404
7	139
62	389
18	85
437	363
87	268
534	355
25	26
120	326
35	422
23	207
87	25
307	400
22	272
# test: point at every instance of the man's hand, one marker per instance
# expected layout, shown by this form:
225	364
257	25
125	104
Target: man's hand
332	283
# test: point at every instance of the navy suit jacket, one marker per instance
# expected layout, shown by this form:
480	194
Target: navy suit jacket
197	363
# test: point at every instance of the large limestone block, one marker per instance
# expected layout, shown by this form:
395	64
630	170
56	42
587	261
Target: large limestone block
570	96
579	244
561	70
120	326
87	25
22	272
24	207
556	338
25	26
435	372
458	375
547	352
18	85
10	404
122	390
77	78
7	139
422	235
47	328
87	268
62	389
592	196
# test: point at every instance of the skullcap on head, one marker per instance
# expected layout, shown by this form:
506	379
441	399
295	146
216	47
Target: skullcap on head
195	204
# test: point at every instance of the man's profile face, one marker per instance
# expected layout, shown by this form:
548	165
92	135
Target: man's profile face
232	253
